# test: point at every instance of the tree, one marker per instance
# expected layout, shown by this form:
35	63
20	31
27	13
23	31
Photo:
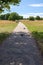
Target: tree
7	16
13	16
31	18
2	17
41	18
37	18
20	17
7	3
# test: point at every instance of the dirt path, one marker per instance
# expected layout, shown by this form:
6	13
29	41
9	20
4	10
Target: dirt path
20	49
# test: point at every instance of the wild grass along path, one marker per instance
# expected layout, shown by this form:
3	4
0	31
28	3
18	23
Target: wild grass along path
20	48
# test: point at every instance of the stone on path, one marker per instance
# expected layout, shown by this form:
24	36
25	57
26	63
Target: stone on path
20	48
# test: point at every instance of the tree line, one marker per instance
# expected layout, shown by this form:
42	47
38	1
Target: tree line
11	16
35	18
15	16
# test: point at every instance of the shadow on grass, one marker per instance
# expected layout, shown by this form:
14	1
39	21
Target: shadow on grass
3	36
39	39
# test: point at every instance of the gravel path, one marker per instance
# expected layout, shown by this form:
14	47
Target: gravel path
20	48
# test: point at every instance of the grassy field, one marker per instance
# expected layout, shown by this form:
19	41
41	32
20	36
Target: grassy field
36	27
6	28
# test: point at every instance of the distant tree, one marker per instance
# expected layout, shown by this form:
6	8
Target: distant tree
41	18
13	16
20	17
7	3
7	16
31	18
37	18
2	17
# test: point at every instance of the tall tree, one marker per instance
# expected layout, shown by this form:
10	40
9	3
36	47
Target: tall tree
7	3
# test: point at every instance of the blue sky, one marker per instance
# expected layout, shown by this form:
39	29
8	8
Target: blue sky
28	8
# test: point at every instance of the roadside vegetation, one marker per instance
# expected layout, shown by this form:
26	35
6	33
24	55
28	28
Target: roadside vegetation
6	28
36	27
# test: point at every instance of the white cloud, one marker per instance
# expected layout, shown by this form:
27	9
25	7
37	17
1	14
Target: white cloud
36	5
32	14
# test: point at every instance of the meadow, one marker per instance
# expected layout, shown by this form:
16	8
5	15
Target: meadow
6	28
36	29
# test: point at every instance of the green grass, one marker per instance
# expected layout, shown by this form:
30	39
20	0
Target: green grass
36	27
6	28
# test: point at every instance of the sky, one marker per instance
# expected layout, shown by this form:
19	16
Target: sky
28	8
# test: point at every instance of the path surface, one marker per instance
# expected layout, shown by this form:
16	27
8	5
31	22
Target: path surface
20	49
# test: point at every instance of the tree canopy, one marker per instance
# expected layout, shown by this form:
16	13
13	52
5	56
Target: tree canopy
7	3
38	18
11	16
31	18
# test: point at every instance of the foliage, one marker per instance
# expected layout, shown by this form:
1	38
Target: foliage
31	18
15	16
7	3
20	17
4	16
7	16
41	18
11	16
37	18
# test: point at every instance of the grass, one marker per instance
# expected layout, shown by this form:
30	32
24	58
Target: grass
36	27
6	28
